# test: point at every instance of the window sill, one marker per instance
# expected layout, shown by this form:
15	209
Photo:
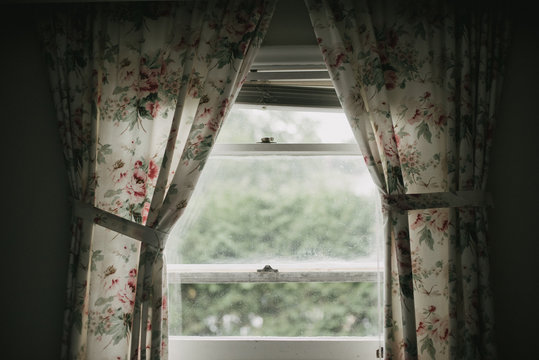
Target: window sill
272	348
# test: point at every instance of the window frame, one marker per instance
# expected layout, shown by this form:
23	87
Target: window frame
260	92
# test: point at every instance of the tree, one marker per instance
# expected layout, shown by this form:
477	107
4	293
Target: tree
262	209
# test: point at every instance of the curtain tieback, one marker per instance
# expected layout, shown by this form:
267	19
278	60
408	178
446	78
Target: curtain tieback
404	202
142	233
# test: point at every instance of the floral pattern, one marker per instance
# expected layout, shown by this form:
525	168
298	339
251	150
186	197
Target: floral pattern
140	90
419	82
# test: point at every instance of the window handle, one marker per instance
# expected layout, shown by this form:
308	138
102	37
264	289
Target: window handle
267	140
267	268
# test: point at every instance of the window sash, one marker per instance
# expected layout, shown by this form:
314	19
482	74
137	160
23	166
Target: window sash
285	149
296	272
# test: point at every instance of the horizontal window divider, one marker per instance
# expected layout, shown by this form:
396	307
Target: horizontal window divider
285	149
211	274
288	75
359	339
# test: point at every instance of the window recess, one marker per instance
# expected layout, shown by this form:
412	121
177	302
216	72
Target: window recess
279	273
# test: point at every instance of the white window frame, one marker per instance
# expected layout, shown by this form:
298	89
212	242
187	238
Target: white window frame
275	348
260	92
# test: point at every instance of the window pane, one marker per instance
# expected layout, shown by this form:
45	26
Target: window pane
265	209
275	309
248	125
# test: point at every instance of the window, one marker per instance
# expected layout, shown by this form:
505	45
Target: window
276	255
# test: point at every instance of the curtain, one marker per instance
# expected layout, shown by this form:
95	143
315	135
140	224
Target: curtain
140	90
419	83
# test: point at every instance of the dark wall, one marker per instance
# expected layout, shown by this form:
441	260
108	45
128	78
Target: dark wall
513	181
35	244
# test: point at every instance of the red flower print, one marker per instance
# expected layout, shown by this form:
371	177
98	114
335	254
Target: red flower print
206	112
133	272
431	309
132	283
397	139
153	108
416	117
421	329
390	78
224	106
442	120
145	211
440	329
137	185
213	125
153	170
339	60
417	222
439	220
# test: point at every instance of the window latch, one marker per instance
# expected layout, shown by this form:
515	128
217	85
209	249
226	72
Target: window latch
267	269
267	140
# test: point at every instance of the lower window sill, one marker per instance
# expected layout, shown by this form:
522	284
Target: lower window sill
272	348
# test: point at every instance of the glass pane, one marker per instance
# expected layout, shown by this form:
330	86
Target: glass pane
271	209
274	309
248	125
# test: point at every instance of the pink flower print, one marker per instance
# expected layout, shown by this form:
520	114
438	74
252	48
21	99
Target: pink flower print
145	211
440	329
132	284
164	304
127	295
153	108
421	329
149	79
137	185
224	106
442	120
439	220
397	139
416	118
153	170
419	220
205	112
339	59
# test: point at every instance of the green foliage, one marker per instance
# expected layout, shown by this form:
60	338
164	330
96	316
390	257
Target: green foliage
275	208
288	309
268	209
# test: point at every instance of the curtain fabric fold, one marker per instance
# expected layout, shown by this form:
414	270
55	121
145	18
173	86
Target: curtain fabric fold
140	90
419	83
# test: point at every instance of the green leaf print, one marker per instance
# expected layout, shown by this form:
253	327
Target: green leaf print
426	235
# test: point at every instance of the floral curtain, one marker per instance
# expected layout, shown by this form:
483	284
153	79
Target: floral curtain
419	83
141	90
